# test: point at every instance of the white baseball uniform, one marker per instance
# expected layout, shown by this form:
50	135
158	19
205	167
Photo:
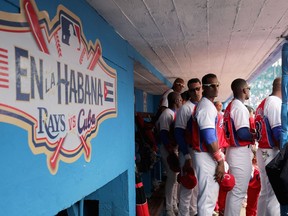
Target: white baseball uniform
238	156
205	165
188	198
269	110
165	122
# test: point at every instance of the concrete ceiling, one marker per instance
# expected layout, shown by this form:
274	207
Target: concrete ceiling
189	38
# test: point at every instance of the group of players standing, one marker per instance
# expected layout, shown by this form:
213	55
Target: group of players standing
191	134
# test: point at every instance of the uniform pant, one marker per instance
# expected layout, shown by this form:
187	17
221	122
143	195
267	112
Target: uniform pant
171	184
208	188
240	165
187	197
267	202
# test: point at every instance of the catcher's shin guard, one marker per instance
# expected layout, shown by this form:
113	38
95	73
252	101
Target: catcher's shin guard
141	201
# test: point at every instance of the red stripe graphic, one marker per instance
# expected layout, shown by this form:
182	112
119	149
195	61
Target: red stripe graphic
3	56
3	50
3	86
85	145
3	62
4	74
54	158
3	68
32	19
95	58
4	81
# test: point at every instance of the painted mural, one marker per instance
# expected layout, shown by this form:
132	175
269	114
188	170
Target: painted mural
54	83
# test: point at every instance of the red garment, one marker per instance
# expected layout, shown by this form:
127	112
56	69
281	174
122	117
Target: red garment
221	132
253	193
265	135
147	130
252	123
221	200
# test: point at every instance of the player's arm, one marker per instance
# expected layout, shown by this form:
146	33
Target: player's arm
183	146
180	126
245	134
274	119
276	131
243	130
209	136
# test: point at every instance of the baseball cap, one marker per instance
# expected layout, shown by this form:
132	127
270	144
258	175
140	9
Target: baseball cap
188	180
227	182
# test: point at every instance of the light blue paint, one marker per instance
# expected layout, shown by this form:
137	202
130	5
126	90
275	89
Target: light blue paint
139	101
111	196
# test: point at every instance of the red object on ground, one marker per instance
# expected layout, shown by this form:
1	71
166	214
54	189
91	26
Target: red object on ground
141	201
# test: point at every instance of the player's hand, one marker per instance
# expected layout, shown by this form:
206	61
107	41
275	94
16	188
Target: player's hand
187	168
220	170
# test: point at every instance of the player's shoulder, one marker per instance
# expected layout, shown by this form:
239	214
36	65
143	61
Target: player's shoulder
237	104
205	103
273	99
167	112
187	107
167	92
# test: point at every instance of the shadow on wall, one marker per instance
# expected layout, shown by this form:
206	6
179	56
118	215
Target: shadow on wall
111	199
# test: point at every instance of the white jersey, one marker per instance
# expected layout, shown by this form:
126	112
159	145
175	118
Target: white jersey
184	114
166	119
240	114
272	110
206	114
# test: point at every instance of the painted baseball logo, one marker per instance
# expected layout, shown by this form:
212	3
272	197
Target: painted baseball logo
54	83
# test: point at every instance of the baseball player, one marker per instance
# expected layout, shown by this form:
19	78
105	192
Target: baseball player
178	86
268	126
238	154
208	159
168	149
188	197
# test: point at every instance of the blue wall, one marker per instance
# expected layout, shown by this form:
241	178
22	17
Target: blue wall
27	187
152	102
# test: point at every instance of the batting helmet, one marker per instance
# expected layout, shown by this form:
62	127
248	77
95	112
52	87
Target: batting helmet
227	182
188	180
